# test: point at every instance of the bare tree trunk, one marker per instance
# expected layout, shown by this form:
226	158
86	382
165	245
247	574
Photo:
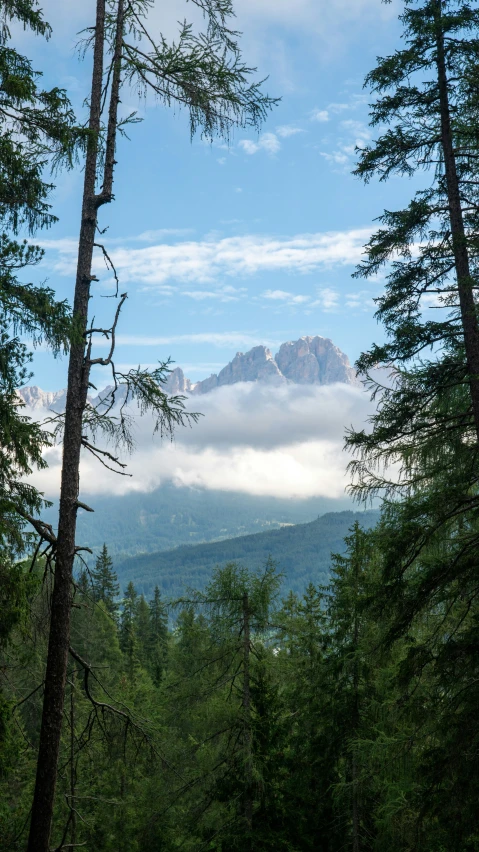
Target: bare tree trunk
461	255
247	734
78	382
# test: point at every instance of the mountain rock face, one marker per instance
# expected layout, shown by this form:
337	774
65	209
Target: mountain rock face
257	365
307	361
315	361
35	397
177	382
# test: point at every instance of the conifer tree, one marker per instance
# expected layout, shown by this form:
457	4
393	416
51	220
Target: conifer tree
142	629
104	582
37	128
158	637
426	422
205	74
128	631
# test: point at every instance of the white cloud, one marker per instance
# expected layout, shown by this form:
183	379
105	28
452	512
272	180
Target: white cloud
362	300
284	441
286	130
268	142
223	294
204	261
319	115
221	339
284	296
161	233
327	299
352	135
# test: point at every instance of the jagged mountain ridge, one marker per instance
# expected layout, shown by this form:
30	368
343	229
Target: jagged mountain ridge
308	361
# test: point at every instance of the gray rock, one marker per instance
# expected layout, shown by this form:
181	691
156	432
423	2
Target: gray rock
307	361
177	382
257	365
315	361
35	398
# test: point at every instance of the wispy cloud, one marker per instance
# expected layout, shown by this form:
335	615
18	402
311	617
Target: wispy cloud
352	135
223	294
328	300
162	233
204	261
222	339
286	130
321	115
268	142
284	296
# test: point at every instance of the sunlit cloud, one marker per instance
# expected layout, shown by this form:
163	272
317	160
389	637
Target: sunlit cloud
284	441
204	261
268	142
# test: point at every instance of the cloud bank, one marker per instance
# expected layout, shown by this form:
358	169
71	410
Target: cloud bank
207	260
279	441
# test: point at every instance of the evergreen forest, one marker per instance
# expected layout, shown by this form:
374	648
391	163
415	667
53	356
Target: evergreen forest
283	697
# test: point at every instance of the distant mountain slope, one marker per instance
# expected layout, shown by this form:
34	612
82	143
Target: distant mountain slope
307	361
302	552
146	522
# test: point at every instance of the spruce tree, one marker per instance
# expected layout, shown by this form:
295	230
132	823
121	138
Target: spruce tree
104	582
128	629
158	637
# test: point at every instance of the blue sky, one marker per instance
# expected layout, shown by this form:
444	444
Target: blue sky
221	248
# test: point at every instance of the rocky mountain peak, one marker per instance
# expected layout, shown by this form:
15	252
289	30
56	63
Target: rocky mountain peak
307	361
314	361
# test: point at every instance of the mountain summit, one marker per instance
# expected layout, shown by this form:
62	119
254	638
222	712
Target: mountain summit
307	361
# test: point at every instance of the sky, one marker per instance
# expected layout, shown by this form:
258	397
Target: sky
225	246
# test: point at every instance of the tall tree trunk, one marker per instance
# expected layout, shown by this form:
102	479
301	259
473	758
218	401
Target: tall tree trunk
247	733
461	255
78	382
73	816
356	814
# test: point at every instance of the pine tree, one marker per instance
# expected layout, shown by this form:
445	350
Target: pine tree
104	582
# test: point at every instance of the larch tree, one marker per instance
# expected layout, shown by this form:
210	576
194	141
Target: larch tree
205	74
426	423
37	129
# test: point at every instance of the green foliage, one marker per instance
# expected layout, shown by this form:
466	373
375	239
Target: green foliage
302	552
104	583
37	128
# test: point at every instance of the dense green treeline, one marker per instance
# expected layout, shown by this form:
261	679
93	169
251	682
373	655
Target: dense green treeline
253	723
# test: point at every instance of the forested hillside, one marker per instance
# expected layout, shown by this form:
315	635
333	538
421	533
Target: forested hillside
169	516
302	554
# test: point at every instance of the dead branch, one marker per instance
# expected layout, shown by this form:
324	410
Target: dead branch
110	266
103	362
